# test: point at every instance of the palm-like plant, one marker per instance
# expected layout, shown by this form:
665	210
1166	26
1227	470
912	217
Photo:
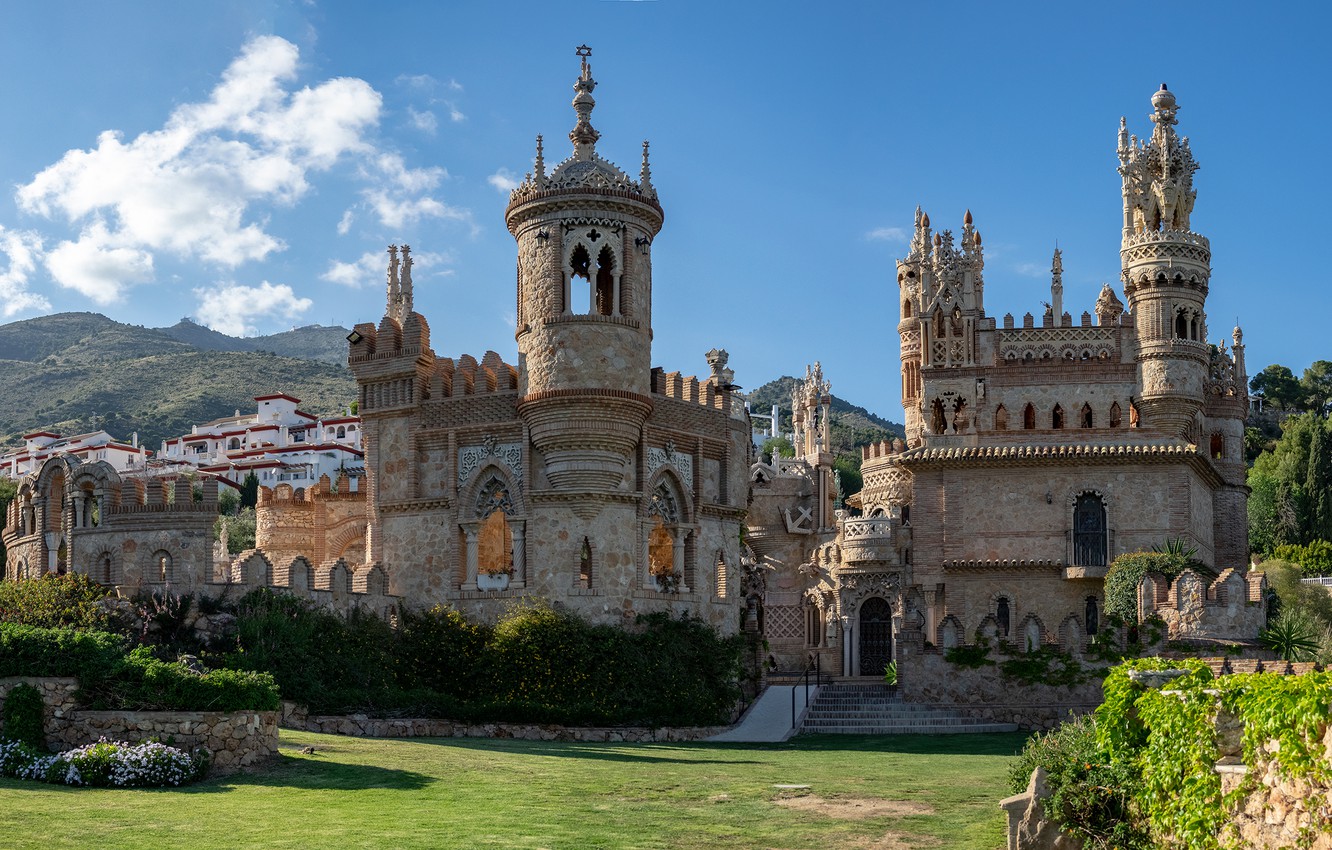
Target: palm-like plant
1293	636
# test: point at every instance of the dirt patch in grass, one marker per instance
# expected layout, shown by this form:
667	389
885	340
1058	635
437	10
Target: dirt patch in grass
899	841
855	808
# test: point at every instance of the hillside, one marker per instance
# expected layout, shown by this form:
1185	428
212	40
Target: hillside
75	372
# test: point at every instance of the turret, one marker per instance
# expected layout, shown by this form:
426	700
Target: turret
1166	268
584	312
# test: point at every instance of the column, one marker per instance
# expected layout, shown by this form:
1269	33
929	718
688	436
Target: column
519	554
469	577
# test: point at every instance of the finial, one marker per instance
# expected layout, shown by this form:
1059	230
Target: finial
540	162
1164	104
975	237
924	219
1238	336
645	173
966	219
583	135
917	215
1057	267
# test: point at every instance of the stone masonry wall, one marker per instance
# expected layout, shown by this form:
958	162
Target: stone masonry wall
236	740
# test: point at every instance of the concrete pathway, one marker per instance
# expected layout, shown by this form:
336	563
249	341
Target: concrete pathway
769	718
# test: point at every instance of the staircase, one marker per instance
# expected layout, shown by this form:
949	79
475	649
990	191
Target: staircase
871	708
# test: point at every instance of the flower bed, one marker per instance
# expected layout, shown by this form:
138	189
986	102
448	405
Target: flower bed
106	764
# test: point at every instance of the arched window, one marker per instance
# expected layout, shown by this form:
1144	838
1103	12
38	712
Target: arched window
1181	325
1114	415
580	265
1087	419
494	547
1029	417
1057	417
605	292
1001	418
1093	615
342	433
661	554
104	569
233	444
906	309
161	567
1218	446
585	564
960	416
665	539
1089	531
938	418
1134	415
1003	616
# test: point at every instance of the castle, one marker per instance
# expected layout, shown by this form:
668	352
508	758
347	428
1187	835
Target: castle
1037	449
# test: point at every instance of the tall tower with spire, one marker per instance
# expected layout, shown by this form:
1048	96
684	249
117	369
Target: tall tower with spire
584	312
1166	267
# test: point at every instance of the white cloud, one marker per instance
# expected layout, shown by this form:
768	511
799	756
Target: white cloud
416	81
189	188
454	85
455	114
97	267
887	234
1031	269
425	121
345	223
230	308
503	180
370	268
22	249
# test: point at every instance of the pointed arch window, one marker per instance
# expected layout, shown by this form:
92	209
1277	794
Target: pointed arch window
1001	418
161	567
585	563
1003	616
1093	612
604	297
1087	416
938	418
1090	536
1057	417
493	539
580	266
665	538
1114	415
1029	417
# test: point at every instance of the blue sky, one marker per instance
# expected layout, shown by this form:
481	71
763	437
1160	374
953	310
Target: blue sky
246	163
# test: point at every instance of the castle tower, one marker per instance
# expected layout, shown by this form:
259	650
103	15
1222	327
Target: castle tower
942	292
1166	268
584	313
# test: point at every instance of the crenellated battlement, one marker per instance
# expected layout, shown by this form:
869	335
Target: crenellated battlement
465	377
687	388
1234	606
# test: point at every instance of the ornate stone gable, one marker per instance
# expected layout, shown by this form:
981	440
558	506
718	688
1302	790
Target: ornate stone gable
472	458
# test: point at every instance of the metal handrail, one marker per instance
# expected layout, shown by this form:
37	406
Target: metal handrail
814	665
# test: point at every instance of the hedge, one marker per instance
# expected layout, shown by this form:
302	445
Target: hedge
111	678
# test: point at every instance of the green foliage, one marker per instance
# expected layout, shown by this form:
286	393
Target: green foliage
23	716
1089	795
1314	559
970	656
1291	499
249	492
1293	595
1126	572
1044	665
240	529
439	650
779	444
890	674
228	502
1278	386
8	490
35	651
72	600
1316	387
847	468
1294	635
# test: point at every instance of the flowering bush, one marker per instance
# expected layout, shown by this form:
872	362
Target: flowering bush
106	764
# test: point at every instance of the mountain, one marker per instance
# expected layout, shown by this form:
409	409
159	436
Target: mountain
852	426
312	342
76	372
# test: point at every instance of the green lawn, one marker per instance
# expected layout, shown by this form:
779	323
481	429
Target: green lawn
864	792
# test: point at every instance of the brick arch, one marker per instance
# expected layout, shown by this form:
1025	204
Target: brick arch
352	531
468	495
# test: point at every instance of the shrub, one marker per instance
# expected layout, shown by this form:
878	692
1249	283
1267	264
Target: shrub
73	601
439	650
1294	635
23	716
1314	559
1089	794
34	651
1126	572
106	764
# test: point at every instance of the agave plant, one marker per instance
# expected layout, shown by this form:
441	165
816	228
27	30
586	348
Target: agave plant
1180	547
1293	636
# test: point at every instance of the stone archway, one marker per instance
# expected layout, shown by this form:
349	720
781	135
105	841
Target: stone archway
875	642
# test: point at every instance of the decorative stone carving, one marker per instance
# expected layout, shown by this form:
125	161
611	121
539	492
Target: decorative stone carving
472	458
682	462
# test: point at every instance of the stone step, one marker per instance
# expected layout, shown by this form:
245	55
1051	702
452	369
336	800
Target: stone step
872	708
964	729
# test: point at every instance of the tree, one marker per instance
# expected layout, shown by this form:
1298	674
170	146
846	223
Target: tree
8	490
1289	500
1318	486
249	496
779	445
1316	387
1278	386
228	501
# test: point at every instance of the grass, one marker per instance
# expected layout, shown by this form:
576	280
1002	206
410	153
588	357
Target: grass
865	792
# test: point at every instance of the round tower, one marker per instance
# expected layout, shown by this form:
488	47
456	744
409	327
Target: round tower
584	312
1166	267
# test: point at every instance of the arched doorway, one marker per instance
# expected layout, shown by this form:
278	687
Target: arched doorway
876	636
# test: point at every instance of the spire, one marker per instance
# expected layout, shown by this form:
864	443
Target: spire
540	164
394	291
1157	172
583	135
645	173
399	284
1057	286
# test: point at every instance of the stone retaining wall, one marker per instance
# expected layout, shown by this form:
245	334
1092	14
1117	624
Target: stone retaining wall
237	740
359	725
